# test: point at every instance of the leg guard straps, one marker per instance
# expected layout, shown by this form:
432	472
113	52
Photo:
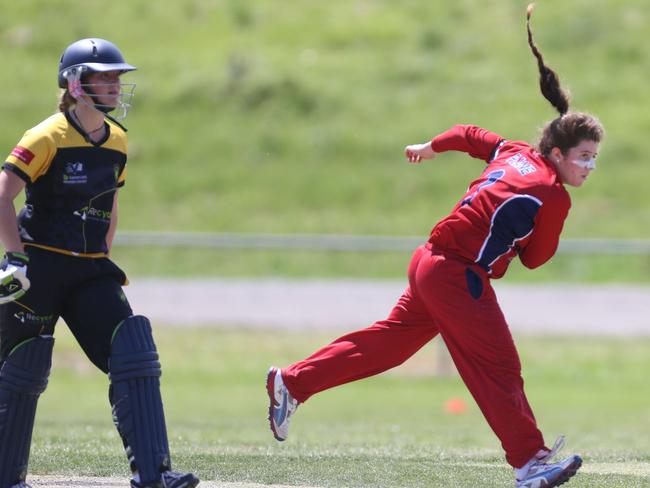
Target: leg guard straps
23	377
134	372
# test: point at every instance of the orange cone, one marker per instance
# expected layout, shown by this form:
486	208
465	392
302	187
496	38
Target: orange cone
455	406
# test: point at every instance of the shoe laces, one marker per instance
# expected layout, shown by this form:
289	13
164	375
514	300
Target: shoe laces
546	456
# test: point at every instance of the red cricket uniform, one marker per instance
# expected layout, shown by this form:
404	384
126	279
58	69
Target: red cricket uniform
517	207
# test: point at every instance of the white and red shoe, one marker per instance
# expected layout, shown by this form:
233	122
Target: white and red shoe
542	474
281	404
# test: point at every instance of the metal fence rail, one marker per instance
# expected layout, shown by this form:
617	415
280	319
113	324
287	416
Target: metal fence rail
345	243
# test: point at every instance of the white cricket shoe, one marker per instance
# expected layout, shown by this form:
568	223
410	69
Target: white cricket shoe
281	404
542	474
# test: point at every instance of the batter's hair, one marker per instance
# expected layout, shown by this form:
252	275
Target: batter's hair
66	101
569	128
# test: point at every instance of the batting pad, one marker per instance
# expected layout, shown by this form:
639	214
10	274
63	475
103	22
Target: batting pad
23	377
134	372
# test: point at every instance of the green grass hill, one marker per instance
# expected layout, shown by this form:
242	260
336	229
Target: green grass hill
291	117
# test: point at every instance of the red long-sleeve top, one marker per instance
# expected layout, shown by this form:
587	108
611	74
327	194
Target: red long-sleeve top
516	207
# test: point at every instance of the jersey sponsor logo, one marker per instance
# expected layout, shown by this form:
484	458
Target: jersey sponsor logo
23	154
521	164
92	213
29	318
75	174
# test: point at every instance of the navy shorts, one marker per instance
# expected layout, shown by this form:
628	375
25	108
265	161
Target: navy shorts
85	292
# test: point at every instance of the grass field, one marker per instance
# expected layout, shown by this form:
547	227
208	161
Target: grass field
253	118
388	431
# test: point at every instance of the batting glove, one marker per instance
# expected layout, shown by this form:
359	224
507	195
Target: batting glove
13	276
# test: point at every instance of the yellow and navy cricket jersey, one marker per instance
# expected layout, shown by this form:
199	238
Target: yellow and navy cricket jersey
70	185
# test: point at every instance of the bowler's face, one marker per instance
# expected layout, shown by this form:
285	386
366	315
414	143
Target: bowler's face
575	166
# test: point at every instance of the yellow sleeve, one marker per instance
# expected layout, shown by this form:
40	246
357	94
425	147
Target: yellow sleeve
33	154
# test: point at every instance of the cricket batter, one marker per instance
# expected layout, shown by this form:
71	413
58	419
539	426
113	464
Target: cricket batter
516	208
71	167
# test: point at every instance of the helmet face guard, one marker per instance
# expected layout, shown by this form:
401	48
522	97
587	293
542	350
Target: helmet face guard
89	56
78	90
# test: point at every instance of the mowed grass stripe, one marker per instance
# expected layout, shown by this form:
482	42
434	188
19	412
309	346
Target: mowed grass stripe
628	468
639	470
113	482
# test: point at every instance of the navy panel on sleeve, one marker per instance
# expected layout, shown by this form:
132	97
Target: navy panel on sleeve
511	222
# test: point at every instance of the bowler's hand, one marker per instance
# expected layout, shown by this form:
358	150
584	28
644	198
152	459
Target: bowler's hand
417	152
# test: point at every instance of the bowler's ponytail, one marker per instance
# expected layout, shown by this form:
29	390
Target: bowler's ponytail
567	130
549	82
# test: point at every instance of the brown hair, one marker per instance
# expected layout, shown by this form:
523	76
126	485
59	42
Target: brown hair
569	128
66	101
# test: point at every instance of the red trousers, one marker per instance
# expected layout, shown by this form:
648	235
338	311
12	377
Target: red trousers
452	298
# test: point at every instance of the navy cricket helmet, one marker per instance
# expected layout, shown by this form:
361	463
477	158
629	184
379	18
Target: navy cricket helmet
91	54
